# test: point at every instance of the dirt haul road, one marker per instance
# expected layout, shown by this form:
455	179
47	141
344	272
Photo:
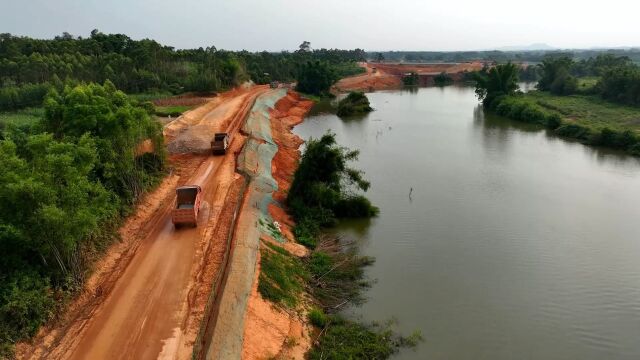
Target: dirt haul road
147	298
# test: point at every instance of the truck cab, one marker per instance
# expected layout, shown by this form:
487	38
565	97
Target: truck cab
187	205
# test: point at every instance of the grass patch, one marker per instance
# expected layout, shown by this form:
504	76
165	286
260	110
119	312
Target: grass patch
20	118
346	69
150	96
585	118
587	84
172	111
590	111
281	277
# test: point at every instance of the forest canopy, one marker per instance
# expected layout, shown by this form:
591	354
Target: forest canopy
29	67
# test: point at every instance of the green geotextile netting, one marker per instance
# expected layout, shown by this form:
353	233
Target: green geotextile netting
256	157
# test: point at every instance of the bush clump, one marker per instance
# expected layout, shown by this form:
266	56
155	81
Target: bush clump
344	339
325	189
356	103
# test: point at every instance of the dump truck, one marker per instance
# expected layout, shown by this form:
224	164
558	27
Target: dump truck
187	205
220	143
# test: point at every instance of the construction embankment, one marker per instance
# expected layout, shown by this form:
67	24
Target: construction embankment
245	325
388	76
161	292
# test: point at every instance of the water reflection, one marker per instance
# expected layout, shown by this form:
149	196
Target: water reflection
516	243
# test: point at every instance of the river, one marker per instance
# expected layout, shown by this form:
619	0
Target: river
496	239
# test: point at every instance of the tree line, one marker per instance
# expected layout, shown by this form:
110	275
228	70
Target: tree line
28	67
65	184
619	81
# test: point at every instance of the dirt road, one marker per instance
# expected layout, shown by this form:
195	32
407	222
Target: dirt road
147	298
370	81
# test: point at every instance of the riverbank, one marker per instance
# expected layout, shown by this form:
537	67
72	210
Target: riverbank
588	119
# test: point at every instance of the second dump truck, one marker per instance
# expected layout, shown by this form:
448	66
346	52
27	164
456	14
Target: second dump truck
187	205
220	143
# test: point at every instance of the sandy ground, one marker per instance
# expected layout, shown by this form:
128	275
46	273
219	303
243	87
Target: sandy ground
370	81
270	332
147	296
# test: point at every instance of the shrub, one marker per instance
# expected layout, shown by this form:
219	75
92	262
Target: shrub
345	340
356	103
574	131
442	79
318	318
322	188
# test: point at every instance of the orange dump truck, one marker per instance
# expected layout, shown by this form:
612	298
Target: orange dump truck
187	205
220	143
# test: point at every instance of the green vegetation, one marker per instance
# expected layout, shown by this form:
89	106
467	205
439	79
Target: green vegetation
587	85
588	119
497	82
442	79
324	189
333	273
315	78
530	56
21	118
173	111
410	80
30	67
318	318
336	273
346	69
555	76
281	276
344	339
356	103
149	96
65	184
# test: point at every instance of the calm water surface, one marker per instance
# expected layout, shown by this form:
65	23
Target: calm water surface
514	244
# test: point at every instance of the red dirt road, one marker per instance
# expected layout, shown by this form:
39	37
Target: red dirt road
145	299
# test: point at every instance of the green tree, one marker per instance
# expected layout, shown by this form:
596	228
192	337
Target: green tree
500	80
325	187
315	77
556	77
118	126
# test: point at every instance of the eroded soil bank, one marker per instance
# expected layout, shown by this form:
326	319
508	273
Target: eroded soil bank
247	326
269	331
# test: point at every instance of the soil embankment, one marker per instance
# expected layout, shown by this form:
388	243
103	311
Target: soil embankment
386	76
147	296
372	80
247	326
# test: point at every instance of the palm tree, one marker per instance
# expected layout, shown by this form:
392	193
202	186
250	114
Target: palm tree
500	80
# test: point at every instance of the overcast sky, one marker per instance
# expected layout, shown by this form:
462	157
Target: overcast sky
368	24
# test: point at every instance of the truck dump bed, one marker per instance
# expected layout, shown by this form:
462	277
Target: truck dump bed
187	205
220	143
